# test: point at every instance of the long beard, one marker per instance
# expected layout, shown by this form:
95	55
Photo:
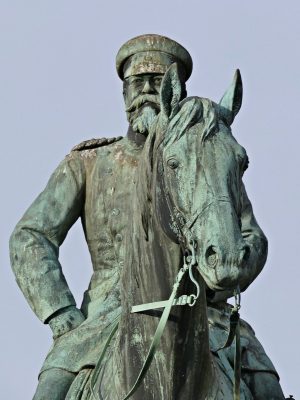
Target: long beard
143	119
142	112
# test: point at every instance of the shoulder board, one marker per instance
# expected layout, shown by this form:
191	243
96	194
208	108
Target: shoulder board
94	143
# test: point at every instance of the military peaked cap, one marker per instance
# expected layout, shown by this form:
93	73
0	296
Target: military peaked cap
151	54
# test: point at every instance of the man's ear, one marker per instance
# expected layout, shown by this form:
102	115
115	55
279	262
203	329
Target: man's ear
170	92
231	101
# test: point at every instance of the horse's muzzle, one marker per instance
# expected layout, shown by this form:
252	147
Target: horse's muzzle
223	269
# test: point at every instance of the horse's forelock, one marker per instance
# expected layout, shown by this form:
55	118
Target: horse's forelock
193	111
210	117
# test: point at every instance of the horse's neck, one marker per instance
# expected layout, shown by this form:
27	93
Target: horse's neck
184	358
152	263
153	260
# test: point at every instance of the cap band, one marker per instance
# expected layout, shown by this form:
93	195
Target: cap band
147	62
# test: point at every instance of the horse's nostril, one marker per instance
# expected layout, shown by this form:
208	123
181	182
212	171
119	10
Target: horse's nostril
211	256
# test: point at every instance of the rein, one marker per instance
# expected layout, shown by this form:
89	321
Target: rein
188	246
182	231
234	332
189	262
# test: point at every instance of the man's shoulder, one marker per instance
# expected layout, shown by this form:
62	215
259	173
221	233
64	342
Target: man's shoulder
95	143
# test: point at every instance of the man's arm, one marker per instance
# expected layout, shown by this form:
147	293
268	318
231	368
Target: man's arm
34	246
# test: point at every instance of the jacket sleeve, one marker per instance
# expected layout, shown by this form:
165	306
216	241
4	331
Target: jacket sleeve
254	238
34	243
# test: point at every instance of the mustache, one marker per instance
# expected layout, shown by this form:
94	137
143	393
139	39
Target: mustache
141	100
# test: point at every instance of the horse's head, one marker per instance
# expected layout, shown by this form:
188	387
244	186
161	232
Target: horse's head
199	167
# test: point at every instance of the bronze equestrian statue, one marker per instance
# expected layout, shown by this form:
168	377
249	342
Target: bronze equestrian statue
172	236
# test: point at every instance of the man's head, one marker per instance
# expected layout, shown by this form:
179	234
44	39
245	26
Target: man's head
141	63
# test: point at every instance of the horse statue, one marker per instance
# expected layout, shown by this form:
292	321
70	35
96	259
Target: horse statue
184	243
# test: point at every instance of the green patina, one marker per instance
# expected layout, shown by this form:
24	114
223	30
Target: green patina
134	196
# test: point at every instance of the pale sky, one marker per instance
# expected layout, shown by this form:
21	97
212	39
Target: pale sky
58	86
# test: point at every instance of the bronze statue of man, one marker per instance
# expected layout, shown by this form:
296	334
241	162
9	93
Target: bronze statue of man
94	182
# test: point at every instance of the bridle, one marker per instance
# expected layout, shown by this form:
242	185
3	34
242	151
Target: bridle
183	232
188	245
189	263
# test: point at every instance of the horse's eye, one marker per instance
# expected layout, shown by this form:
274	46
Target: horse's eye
173	163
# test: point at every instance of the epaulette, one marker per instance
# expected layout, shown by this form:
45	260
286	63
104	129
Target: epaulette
94	143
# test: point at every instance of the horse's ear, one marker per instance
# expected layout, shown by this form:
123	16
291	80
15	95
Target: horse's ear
231	102
170	92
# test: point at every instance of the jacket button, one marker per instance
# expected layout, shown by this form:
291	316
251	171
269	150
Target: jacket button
115	212
108	170
119	237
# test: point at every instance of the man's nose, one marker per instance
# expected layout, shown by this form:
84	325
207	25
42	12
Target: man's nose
148	88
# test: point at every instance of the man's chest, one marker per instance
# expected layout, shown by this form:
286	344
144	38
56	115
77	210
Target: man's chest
110	188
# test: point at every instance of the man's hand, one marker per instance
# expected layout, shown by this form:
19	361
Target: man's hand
65	320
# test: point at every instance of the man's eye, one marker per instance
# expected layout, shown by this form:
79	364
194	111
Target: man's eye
135	81
157	81
138	80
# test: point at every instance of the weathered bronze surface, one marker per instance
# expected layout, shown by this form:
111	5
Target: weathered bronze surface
142	199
